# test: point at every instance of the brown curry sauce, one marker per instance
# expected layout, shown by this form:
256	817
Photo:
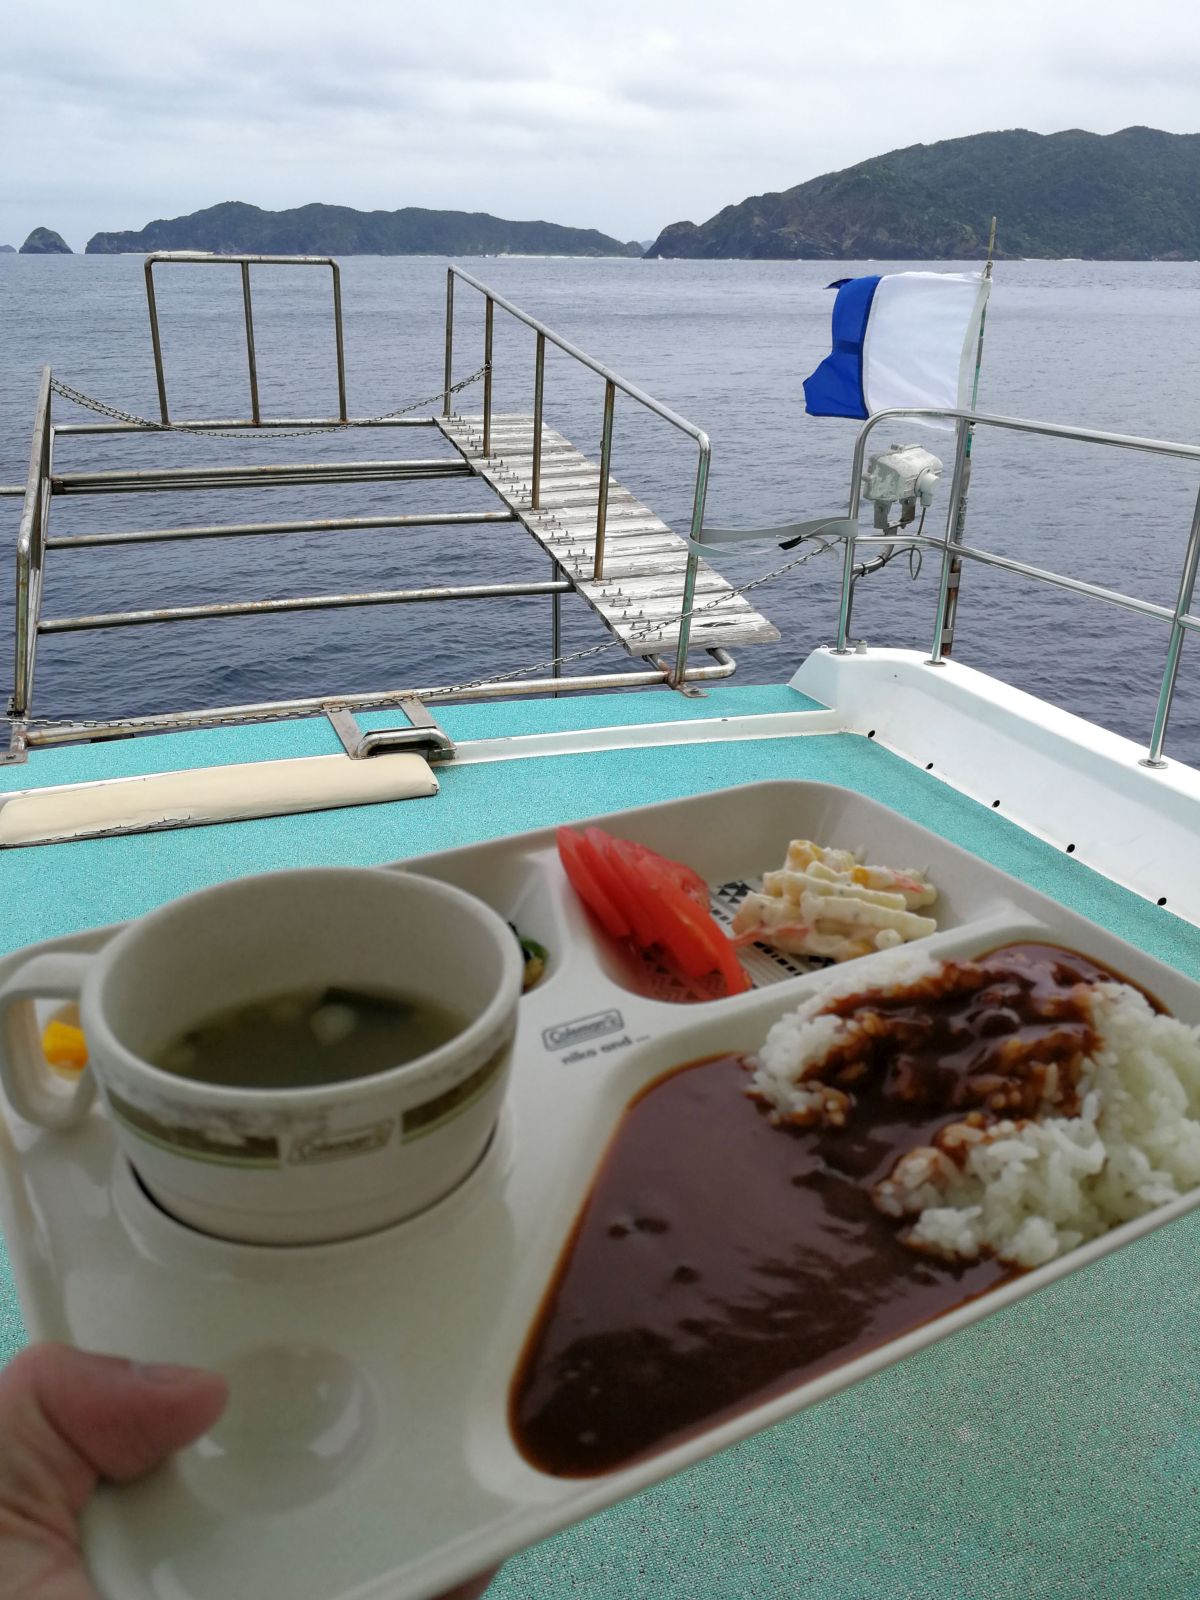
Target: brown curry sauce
719	1261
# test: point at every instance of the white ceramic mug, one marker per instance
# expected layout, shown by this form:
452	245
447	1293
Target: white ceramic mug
282	1165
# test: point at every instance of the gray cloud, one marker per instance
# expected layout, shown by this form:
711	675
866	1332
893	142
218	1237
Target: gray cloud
623	117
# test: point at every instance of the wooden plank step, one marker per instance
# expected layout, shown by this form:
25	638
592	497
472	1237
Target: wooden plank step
625	519
643	587
633	544
641	592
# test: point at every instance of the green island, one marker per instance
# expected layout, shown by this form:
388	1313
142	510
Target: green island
1128	196
45	242
234	228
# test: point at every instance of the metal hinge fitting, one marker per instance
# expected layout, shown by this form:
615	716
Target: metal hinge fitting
422	735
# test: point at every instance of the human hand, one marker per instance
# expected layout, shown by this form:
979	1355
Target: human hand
68	1420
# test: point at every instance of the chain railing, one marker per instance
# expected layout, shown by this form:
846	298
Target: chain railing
280	428
47	480
510	681
43	480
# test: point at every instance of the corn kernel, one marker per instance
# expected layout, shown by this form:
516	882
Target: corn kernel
64	1046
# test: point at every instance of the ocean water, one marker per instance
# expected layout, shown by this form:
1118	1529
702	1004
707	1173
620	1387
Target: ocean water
727	344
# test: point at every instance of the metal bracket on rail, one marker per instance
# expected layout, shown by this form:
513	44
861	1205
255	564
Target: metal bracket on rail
422	735
18	744
681	686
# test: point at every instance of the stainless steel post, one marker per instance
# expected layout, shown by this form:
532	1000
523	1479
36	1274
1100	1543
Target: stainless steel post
31	535
555	624
954	533
449	375
18	701
255	412
156	341
953	577
606	437
339	339
689	577
843	648
488	317
539	381
1183	604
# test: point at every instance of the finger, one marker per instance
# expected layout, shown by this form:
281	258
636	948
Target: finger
123	1417
81	1416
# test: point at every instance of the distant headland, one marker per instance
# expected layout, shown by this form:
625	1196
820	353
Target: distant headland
1128	196
234	228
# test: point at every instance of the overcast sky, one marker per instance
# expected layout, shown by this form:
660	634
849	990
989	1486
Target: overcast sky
623	115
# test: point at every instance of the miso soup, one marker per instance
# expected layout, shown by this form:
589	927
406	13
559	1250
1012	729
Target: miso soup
306	1038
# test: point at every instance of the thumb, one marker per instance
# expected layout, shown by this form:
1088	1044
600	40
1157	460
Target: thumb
68	1418
123	1417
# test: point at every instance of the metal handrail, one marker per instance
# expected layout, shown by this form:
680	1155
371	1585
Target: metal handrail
228	424
275	474
573	350
302	602
246	530
44	482
722	665
612	383
952	548
244	262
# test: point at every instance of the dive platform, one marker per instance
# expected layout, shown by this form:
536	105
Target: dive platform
658	601
640	593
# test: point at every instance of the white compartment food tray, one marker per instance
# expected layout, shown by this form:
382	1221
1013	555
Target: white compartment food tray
366	1451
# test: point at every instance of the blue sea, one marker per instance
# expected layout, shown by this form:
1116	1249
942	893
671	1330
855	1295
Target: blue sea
727	344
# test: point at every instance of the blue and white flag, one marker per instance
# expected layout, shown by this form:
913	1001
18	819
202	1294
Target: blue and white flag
903	339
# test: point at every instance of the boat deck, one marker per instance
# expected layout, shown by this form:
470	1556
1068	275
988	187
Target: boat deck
1049	1451
640	597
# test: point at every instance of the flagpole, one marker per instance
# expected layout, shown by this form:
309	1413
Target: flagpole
943	643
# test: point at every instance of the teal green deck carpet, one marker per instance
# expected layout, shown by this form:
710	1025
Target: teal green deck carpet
1051	1453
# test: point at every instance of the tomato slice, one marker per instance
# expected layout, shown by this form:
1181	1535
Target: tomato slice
625	893
587	876
720	955
689	935
737	980
637	902
682	944
681	875
635	893
597	842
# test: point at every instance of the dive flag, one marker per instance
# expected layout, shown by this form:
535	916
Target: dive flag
904	339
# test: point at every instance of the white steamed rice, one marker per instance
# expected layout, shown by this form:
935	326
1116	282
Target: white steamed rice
1024	1191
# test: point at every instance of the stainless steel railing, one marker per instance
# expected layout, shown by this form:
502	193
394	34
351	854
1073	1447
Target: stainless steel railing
47	481
953	549
244	263
612	383
31	545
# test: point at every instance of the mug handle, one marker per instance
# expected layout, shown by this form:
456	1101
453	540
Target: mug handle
31	1089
